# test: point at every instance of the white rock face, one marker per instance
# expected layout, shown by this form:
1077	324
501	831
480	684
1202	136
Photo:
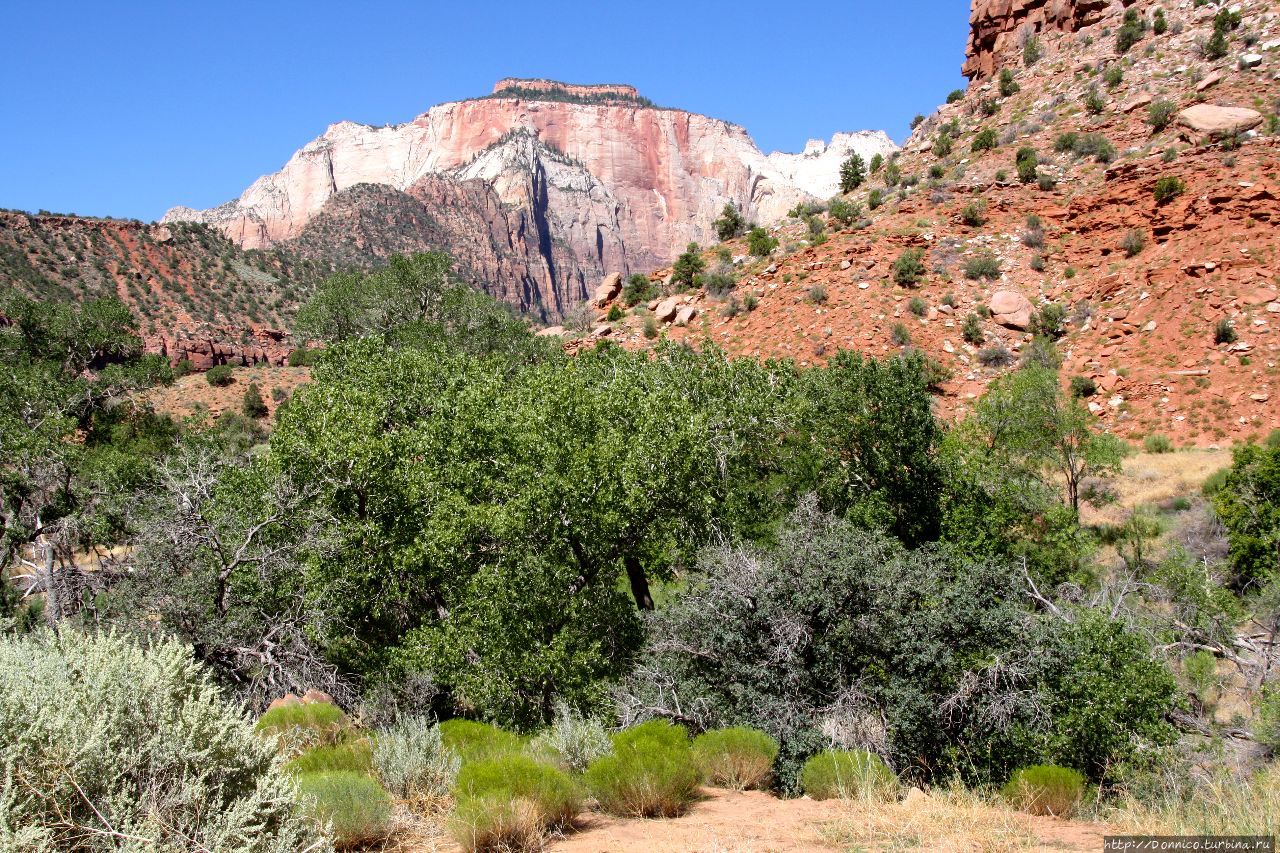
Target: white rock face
817	170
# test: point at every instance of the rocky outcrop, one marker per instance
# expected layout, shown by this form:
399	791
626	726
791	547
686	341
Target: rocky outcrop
597	90
996	27
1204	123
576	188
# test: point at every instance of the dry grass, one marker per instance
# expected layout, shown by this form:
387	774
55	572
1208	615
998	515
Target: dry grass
948	819
1149	478
1227	805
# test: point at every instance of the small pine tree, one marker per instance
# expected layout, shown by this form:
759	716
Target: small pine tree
852	172
252	404
877	160
1008	86
1027	162
730	224
688	267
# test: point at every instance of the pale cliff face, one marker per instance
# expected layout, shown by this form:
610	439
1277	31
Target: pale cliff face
633	186
817	170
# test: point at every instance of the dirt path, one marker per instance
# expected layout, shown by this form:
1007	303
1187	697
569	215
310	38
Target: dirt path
754	822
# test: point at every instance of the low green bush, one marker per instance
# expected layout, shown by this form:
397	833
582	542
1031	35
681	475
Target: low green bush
1046	790
1168	187
651	773
305	725
354	756
472	741
1156	443
502	802
983	266
739	758
412	761
304	357
573	741
219	376
847	774
353	805
909	269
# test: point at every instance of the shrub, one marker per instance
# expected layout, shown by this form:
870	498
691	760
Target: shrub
892	174
574	740
739	758
900	335
1156	443
996	356
818	294
984	140
650	327
304	357
974	213
1032	50
759	243
1026	162
1094	102
1168	187
918	306
1266	722
503	801
1095	145
1133	243
1224	332
982	266
942	145
252	405
472	741
1159	23
186	367
356	807
1048	320
990	106
615	313
730	224
219	376
687	270
1114	75
1008	86
853	172
874	199
847	774
1083	386
1160	113
354	756
718	283
1045	790
955	95
1066	142
1001	176
877	160
908	269
638	289
1130	32
843	212
750	302
144	736
1038	262
411	760
972	330
1046	182
651	773
304	725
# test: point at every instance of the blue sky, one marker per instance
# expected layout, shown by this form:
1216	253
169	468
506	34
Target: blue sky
126	109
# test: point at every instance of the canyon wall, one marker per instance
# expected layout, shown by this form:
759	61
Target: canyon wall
997	27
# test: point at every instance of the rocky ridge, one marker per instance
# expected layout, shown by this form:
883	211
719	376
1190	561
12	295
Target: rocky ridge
1171	299
584	187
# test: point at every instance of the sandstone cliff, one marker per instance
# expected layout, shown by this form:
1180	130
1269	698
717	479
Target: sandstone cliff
997	28
579	188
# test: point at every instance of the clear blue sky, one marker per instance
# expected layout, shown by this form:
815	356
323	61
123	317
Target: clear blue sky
126	109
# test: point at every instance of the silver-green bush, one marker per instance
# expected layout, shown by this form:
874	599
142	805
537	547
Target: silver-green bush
412	761
574	740
106	745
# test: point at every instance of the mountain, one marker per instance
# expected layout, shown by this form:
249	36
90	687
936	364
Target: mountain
1146	210
564	184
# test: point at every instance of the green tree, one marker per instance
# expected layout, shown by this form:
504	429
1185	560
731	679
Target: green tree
853	171
731	223
908	269
760	243
252	405
688	268
1249	506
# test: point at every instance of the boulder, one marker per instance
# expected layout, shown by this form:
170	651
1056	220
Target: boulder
284	701
313	696
551	331
609	288
603	331
686	315
1204	123
1251	60
1011	309
1141	99
666	310
1211	79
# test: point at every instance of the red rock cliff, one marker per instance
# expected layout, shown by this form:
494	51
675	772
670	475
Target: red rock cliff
997	27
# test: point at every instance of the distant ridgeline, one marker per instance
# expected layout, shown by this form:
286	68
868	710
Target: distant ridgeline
552	90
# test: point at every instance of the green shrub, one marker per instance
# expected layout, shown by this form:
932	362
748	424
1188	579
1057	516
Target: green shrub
843	212
106	731
1272	441
1032	50
1159	23
847	774
942	145
1049	320
1224	332
1134	242
251	404
972	330
853	172
574	740
184	367
1083	386
730	224
219	376
1114	75
650	327
1130	32
908	269
759	243
1156	443
412	761
818	294
955	95
918	306
304	357
615	313
1007	84
472	741
985	140
739	758
1026	162
638	289
877	160
1045	790
502	802
354	756
996	356
304	725
974	213
900	335
1266	722
874	199
982	266
1094	102
1160	113
651	773
1168	187
356	807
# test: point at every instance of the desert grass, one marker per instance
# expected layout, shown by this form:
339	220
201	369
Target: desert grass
1224	805
1150	478
947	819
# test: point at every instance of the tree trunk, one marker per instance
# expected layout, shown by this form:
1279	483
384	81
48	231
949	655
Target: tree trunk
639	582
